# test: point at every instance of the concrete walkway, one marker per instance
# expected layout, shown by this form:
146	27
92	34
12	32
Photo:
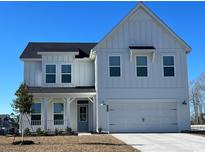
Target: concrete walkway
163	142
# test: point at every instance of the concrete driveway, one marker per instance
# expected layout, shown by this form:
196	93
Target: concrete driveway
163	142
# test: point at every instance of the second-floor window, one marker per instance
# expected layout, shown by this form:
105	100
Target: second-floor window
141	66
66	73
50	73
36	114
168	66
114	66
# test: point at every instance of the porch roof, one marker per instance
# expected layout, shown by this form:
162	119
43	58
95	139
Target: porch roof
89	89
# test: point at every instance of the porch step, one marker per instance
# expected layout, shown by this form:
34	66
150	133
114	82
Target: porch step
83	134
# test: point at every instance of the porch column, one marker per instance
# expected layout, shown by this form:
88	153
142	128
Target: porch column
96	112
68	101
45	113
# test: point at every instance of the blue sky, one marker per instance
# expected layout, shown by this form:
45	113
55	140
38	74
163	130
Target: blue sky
21	22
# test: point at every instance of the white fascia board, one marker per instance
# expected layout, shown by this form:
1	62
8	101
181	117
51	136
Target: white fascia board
77	95
92	54
83	59
31	59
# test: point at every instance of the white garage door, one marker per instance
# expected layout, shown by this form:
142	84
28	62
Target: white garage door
143	117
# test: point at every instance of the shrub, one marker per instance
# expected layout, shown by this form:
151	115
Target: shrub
100	130
39	131
60	132
56	131
27	131
68	130
45	133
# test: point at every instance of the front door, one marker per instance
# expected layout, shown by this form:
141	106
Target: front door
83	116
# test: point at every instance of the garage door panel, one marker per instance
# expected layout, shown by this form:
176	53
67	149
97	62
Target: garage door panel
143	117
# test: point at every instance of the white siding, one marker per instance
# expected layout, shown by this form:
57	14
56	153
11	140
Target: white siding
82	71
142	30
32	73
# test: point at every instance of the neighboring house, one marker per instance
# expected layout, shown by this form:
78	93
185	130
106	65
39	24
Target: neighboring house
133	80
7	124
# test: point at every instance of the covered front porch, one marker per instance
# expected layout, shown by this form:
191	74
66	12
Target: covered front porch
76	110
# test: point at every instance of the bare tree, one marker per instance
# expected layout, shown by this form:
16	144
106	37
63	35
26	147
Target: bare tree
197	98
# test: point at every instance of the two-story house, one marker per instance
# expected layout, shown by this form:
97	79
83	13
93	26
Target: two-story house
133	80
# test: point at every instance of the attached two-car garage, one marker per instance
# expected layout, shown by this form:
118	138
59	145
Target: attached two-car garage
142	117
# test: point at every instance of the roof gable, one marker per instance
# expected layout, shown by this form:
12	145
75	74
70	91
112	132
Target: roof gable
148	14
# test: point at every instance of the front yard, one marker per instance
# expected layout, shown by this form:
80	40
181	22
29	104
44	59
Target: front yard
91	143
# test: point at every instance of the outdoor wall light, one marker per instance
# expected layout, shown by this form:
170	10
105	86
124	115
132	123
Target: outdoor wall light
102	104
184	102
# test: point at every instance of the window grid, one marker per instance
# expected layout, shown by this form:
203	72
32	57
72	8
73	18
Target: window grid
118	66
49	73
168	66
36	122
66	73
58	122
142	66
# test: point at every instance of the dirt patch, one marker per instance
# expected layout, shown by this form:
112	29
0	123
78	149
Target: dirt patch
91	143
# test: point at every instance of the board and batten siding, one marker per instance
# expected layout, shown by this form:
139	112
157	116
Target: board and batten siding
33	73
82	71
141	29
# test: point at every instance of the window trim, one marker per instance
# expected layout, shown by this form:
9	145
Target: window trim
51	73
168	66
114	55
139	55
58	113
37	114
66	73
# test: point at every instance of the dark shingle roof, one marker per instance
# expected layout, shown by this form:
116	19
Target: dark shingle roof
141	47
61	89
33	47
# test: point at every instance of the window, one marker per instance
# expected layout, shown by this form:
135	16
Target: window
58	113
66	73
83	113
141	66
114	66
50	73
168	66
36	114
